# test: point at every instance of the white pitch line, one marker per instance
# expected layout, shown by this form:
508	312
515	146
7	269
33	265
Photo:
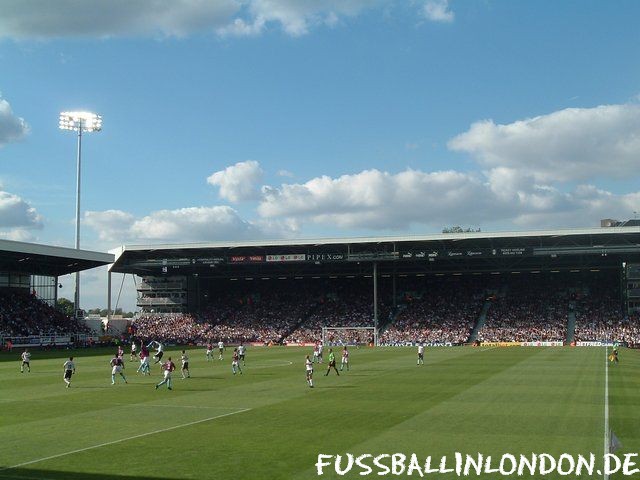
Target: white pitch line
285	363
606	405
168	406
123	440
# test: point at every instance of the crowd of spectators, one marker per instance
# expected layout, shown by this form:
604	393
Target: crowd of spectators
527	311
351	305
600	317
265	314
534	308
439	313
23	314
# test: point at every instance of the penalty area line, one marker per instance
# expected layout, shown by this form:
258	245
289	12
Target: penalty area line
113	442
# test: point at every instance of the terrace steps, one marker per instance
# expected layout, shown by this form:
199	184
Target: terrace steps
571	327
480	322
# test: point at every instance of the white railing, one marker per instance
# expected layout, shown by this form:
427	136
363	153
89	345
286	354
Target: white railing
46	340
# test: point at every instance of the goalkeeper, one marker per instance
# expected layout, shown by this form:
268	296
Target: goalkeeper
332	363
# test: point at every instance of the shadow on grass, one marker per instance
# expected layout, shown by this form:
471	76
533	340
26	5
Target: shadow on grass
33	474
42	354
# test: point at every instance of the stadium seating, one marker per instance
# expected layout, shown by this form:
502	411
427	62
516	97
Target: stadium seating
23	314
527	308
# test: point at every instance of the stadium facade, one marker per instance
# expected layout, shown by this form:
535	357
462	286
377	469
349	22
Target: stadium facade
179	277
37	267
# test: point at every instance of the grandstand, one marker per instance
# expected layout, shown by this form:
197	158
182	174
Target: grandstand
29	292
441	289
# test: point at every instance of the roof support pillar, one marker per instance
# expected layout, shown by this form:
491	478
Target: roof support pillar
108	295
375	296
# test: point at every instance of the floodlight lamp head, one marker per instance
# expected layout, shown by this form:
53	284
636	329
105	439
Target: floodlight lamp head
85	121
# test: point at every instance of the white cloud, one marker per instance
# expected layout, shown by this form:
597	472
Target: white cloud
12	128
285	173
18	235
438	11
17	212
190	224
383	201
238	182
111	225
567	145
297	16
98	18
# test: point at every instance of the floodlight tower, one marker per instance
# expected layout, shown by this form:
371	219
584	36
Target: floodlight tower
79	122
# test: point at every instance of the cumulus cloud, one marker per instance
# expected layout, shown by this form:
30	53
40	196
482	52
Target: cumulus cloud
567	145
43	19
190	224
110	224
17	212
97	18
438	11
18	235
285	173
12	128
380	200
296	17
238	182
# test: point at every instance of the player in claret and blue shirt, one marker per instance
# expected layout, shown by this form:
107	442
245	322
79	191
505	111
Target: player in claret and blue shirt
345	359
117	366
168	367
235	364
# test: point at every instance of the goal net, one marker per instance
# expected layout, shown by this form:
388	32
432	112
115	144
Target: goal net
351	336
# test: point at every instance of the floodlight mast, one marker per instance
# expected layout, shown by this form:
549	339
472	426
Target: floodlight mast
79	122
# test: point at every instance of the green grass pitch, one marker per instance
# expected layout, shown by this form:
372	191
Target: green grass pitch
267	424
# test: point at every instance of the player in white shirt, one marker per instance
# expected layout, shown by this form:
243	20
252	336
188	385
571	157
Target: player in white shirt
309	368
69	369
420	354
220	349
26	361
241	352
159	350
320	347
133	351
345	358
184	358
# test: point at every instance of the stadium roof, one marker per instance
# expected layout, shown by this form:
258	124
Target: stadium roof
436	237
36	259
616	243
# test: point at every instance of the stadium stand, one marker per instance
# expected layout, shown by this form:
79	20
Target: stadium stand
23	314
528	309
437	313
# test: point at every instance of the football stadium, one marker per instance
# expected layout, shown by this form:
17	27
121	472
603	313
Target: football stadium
464	351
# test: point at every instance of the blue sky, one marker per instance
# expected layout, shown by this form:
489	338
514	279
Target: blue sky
244	119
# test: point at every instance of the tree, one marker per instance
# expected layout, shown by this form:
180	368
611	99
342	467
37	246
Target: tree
459	229
66	306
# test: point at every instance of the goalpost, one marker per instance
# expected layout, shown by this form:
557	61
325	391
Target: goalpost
351	336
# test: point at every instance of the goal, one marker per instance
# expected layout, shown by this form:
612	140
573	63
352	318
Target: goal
352	336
